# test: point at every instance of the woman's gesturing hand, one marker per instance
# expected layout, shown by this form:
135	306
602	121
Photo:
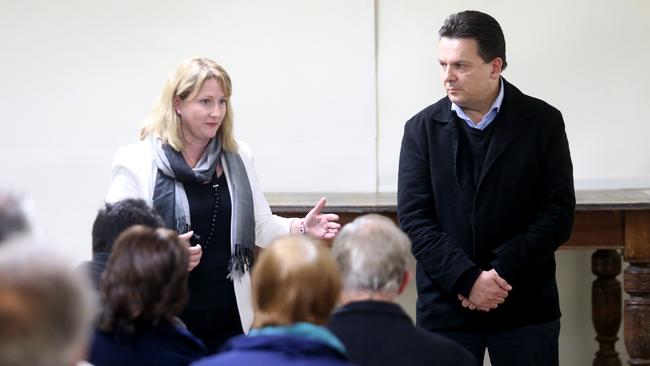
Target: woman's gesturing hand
320	225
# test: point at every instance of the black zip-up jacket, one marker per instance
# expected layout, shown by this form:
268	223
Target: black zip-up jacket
519	213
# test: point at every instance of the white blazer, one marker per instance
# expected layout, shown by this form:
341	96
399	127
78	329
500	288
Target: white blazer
134	176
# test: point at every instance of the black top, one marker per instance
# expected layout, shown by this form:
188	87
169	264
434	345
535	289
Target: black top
380	333
209	287
474	145
161	345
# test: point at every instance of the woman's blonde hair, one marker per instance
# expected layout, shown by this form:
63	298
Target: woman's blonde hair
294	280
185	83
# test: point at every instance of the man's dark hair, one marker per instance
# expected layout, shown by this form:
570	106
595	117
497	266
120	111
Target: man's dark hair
116	217
12	217
481	27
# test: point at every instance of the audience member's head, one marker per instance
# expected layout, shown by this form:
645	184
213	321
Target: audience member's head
373	255
13	220
145	281
295	280
46	309
119	216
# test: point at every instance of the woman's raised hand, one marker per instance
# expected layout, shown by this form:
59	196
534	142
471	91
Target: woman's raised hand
320	225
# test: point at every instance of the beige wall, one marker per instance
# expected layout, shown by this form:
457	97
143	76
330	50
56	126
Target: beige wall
79	77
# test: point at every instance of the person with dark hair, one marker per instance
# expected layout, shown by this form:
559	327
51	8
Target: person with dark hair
143	290
373	255
13	221
485	192
110	222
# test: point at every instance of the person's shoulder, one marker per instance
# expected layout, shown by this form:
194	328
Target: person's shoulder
438	111
243	148
177	329
175	339
530	103
180	341
435	115
542	105
245	152
103	343
237	358
451	349
434	338
133	152
233	353
141	145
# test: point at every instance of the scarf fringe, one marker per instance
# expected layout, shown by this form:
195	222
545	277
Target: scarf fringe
182	226
240	262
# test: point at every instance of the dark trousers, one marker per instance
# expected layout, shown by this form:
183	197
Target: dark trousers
531	345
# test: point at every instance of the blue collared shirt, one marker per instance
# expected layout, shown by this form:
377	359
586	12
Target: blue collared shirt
488	118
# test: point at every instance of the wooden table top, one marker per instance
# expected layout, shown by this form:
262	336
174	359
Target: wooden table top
587	200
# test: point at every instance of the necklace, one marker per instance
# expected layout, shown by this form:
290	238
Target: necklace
215	214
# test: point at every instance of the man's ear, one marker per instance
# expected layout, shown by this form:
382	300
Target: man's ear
496	66
406	279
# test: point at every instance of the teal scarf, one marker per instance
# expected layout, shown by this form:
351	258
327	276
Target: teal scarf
305	330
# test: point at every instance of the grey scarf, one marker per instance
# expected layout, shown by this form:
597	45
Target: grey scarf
170	199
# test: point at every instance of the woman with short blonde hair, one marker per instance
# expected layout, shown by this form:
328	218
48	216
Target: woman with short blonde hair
296	281
296	284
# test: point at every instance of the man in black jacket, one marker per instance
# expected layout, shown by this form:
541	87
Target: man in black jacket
373	254
485	192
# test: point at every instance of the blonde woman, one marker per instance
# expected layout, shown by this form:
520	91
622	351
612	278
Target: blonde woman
201	180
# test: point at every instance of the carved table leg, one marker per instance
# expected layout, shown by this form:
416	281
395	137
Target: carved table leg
636	281
606	305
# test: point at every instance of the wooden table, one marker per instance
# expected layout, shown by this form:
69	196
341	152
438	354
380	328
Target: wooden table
606	220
